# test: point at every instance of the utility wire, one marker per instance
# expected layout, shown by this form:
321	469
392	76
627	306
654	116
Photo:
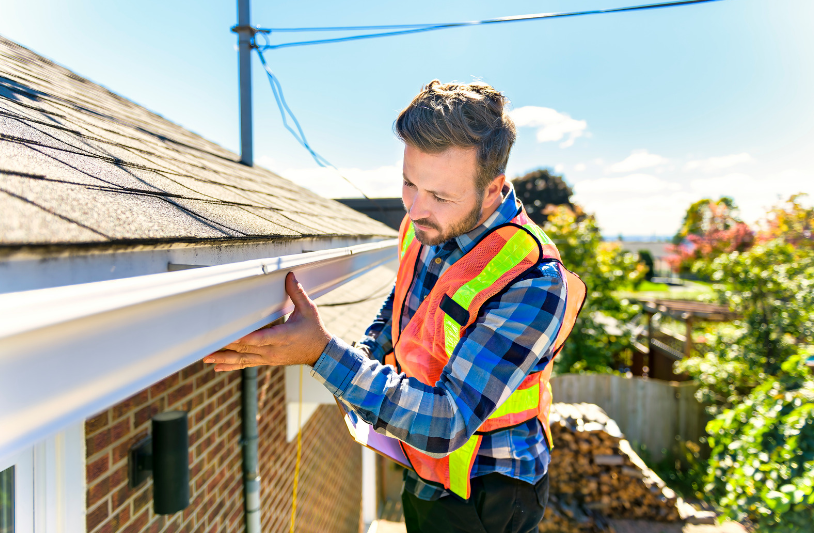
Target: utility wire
402	29
418	28
298	134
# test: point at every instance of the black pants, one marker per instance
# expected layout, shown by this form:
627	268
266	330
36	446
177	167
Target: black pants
498	504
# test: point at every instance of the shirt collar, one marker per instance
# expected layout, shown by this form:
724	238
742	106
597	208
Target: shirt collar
505	212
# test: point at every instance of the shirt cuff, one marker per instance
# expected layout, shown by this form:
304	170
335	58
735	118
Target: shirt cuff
337	366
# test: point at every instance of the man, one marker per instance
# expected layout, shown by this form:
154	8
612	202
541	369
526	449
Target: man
456	364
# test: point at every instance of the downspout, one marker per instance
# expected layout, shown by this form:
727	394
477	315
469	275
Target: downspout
251	475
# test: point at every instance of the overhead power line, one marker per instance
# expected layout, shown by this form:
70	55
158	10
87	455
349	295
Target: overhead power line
404	29
400	29
298	134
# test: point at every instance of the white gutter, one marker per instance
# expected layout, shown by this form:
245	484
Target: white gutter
67	353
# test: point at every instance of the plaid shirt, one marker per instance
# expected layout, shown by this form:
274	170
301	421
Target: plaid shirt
511	338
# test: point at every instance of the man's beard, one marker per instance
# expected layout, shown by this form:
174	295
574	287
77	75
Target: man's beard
465	225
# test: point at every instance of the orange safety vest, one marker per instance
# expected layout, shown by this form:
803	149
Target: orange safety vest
425	346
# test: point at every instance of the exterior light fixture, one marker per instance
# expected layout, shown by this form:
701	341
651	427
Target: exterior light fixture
166	455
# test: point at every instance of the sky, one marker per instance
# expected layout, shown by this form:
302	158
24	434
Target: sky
642	113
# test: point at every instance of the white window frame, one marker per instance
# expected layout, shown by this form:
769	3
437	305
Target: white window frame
49	484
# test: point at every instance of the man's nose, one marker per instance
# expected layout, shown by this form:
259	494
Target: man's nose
419	209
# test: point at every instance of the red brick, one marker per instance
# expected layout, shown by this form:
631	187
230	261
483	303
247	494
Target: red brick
193	369
128	405
96	468
97	443
205	378
97	492
216	387
120	429
144	414
92	425
138	523
118	476
97	516
162	386
143	498
179	393
120	496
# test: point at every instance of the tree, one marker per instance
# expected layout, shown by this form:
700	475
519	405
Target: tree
791	222
604	267
754	378
539	189
646	259
710	228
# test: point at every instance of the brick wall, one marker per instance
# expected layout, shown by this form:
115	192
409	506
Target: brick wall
212	402
329	495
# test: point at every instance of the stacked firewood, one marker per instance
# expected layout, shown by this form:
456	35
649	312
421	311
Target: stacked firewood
595	475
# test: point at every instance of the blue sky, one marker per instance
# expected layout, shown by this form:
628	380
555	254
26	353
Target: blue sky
642	112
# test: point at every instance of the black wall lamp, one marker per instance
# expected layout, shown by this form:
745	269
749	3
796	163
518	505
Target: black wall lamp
166	455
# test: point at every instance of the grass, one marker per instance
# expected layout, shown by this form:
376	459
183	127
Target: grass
691	290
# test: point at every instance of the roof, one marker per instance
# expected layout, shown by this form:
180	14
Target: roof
82	165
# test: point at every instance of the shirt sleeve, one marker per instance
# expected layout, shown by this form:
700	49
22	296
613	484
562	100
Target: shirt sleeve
511	337
377	341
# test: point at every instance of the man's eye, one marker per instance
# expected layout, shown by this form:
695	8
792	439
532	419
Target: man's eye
408	184
440	200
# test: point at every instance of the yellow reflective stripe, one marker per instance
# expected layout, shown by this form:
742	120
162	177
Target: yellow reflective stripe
539	233
519	401
408	239
514	251
452	334
459	462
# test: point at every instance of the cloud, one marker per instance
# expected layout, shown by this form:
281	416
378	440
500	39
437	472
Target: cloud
551	125
381	182
266	162
634	183
579	167
638	159
559	167
713	164
754	195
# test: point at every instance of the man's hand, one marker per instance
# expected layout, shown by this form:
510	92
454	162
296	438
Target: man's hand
300	340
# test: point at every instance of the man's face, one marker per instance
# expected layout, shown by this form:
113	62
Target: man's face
439	193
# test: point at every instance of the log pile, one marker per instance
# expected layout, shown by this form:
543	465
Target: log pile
595	475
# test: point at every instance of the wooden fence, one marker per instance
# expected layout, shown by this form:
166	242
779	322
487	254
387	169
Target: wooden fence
650	412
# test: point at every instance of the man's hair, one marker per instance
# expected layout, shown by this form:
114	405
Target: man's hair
464	115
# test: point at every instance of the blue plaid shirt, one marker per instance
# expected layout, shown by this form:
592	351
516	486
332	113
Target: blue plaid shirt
511	338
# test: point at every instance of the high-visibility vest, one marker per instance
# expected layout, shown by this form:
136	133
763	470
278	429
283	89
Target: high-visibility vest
425	346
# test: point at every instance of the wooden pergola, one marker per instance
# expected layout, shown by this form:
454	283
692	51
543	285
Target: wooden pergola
663	347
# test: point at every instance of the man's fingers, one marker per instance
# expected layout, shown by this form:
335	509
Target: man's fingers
234	360
297	294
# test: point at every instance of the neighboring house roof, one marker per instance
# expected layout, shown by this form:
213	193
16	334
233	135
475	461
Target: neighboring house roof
81	165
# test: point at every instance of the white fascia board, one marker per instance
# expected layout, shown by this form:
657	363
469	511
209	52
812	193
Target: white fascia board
67	353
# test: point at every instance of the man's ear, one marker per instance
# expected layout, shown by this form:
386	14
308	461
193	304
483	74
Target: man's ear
494	189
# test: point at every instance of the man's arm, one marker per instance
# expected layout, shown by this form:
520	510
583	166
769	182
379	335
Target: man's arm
511	338
377	341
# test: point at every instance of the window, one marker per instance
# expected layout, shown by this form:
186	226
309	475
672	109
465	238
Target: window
7	500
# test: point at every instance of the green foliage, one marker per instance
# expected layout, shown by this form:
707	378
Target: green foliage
646	258
683	469
772	286
762	439
604	267
762	463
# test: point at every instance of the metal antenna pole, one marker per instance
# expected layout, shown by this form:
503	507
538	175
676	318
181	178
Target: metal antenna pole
245	33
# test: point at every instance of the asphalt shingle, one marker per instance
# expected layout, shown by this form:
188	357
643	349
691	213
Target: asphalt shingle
82	165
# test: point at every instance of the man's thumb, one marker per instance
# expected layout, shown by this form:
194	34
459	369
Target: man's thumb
297	293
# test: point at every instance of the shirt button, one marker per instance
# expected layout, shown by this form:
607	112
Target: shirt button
437	260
